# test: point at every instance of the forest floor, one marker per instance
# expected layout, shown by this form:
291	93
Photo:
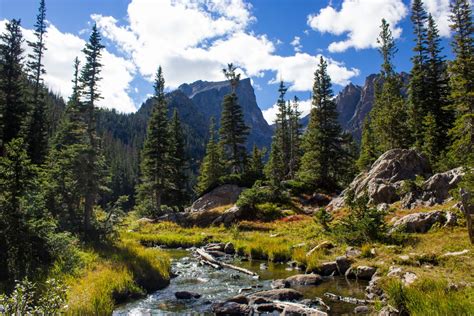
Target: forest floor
444	284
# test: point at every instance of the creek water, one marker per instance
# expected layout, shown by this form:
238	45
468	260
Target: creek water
218	285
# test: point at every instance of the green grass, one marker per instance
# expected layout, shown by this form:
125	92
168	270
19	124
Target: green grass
430	297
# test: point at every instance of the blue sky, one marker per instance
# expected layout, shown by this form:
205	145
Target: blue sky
192	39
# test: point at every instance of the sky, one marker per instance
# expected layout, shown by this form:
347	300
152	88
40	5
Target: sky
269	41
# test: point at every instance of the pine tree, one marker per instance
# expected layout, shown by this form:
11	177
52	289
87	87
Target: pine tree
211	168
368	146
437	96
418	94
155	167
233	131
255	168
37	134
13	108
295	137
323	140
461	151
277	168
178	190
94	163
388	116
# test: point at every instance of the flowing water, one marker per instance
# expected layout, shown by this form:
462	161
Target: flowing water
218	285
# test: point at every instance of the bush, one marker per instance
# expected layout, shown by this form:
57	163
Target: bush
364	224
323	217
268	211
296	187
249	198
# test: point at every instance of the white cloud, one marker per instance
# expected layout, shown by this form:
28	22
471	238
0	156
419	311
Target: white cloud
270	114
359	20
62	48
440	11
296	43
194	39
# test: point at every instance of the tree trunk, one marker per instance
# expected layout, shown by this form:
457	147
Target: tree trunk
468	210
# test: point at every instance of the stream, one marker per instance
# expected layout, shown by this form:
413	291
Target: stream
219	285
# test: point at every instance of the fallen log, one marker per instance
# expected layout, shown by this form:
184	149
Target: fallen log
206	262
210	260
303	309
347	299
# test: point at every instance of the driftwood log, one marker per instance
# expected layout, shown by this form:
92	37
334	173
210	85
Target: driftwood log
347	299
211	261
468	209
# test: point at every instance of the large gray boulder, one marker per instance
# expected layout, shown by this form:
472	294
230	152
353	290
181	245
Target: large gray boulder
434	190
230	216
298	281
279	294
386	176
226	194
421	222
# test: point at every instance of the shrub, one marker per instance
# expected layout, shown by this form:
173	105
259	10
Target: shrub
364	224
323	217
268	211
249	198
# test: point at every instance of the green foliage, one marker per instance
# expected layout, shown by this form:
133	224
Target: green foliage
13	108
250	198
268	211
430	297
324	218
368	148
363	224
30	299
233	131
326	156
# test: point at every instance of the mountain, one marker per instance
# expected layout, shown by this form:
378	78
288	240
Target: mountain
355	102
208	96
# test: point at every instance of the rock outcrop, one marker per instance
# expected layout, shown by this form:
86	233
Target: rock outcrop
222	195
385	177
298	281
422	222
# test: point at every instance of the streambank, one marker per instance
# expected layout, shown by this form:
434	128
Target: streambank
218	285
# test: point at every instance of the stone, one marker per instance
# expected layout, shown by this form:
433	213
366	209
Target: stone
361	272
451	219
240	299
297	281
231	308
279	294
215	247
362	310
418	222
409	278
352	252
229	216
229	248
343	264
327	268
301	311
385	176
222	195
185	295
267	308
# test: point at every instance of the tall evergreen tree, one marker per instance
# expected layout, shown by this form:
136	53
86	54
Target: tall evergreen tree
277	168
418	92
37	134
323	140
388	116
212	166
178	193
94	163
233	131
438	119
255	168
13	108
462	85
294	137
155	166
369	152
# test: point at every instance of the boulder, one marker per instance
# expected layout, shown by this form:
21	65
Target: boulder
435	190
185	295
343	264
231	308
229	216
361	272
279	294
229	248
240	299
407	278
301	311
223	195
419	222
327	268
298	280
385	176
362	310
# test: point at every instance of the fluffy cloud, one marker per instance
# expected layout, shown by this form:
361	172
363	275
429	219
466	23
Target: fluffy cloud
296	43
194	39
360	20
62	48
271	113
441	12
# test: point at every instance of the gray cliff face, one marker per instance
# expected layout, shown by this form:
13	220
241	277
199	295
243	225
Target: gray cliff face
347	101
208	96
